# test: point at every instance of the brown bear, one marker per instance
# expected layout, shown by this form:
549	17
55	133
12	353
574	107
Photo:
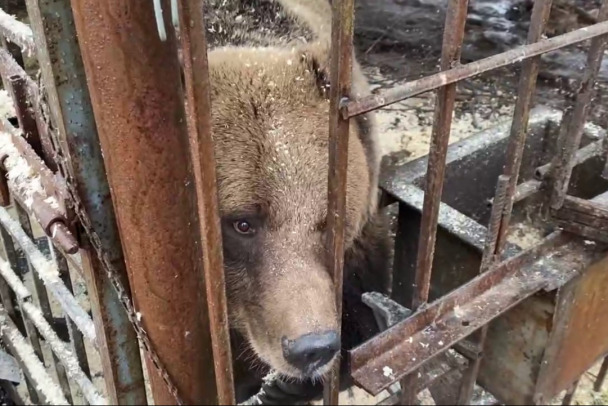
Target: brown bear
268	67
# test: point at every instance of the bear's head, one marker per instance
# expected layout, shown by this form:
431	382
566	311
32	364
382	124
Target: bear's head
270	116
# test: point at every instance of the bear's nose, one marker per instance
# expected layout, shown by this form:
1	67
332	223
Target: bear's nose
311	351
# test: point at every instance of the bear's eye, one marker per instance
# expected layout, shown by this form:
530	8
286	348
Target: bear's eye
243	227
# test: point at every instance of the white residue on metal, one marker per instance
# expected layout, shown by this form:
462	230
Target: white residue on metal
47	270
22	178
65	355
49	274
13	280
7	108
18	32
387	371
36	370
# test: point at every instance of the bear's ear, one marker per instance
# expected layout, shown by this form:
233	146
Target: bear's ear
316	59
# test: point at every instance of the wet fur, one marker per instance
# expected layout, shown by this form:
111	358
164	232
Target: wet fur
269	71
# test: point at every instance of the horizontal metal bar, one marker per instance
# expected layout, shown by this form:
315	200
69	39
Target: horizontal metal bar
48	272
30	364
61	350
582	155
13	281
452	318
416	87
17	33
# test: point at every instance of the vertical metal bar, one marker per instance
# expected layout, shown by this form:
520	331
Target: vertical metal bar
43	301
601	376
564	160
198	115
27	121
340	78
567	400
452	42
70	104
490	256
453	36
521	115
145	147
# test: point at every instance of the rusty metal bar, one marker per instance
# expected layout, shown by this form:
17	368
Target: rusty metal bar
47	271
144	141
16	32
569	396
28	328
453	37
601	376
27	122
521	116
9	68
40	287
341	65
77	133
453	317
32	367
457	74
582	155
198	114
575	125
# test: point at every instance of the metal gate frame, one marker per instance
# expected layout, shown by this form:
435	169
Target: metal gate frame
81	47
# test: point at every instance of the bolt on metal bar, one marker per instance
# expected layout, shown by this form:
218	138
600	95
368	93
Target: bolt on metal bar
453	37
457	74
16	32
575	125
341	66
47	271
32	367
521	116
77	133
198	117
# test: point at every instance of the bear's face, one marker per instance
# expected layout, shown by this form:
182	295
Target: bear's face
270	129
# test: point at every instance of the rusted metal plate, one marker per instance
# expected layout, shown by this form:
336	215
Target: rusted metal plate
579	334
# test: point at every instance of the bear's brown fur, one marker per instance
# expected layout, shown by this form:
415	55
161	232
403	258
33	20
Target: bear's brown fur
270	111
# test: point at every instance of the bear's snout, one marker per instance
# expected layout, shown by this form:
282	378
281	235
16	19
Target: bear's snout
310	352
